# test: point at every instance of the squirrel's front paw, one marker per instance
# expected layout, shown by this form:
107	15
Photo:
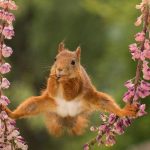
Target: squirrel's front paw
4	108
131	110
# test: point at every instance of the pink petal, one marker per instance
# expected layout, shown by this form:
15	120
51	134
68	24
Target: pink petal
139	37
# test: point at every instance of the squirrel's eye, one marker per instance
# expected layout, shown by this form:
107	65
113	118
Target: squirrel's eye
55	59
73	62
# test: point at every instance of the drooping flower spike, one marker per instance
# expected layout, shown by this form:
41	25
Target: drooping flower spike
138	88
10	138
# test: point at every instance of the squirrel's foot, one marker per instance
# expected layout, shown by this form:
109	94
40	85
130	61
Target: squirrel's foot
6	109
130	110
2	107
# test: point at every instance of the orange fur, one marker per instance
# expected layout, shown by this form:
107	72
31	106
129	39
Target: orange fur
80	125
53	124
69	94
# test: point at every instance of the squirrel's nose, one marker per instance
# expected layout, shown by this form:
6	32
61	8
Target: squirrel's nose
60	69
59	72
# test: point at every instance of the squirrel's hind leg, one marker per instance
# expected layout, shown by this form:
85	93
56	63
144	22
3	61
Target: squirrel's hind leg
80	125
54	124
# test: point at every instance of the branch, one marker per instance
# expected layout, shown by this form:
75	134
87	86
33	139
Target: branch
113	125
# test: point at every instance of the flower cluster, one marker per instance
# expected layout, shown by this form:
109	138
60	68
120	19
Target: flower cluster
142	90
138	87
10	138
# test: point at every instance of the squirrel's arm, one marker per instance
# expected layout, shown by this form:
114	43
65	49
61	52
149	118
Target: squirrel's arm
99	101
31	106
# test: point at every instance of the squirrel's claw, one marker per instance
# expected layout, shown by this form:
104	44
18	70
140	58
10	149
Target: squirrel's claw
4	108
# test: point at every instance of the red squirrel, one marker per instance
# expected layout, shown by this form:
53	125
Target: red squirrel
69	97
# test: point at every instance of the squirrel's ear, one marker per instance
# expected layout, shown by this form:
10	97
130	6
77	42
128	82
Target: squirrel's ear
61	47
78	51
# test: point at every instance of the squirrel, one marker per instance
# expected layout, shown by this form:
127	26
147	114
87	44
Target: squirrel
69	97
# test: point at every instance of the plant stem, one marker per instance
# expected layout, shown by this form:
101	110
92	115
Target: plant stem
139	65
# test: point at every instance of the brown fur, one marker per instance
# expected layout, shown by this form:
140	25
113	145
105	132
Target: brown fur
70	81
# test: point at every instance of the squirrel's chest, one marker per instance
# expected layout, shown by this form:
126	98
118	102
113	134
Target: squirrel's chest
68	108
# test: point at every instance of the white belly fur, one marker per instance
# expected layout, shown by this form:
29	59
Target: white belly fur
68	108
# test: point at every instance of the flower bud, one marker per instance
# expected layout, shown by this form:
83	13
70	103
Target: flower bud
6	51
5	68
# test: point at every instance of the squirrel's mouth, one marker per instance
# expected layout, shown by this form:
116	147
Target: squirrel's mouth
59	77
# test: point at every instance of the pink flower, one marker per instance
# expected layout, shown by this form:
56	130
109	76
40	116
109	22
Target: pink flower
6	51
20	144
110	140
147	49
129	84
9	17
138	21
136	97
112	118
103	117
126	122
142	56
3	115
147	53
12	123
139	37
142	93
6	147
142	90
4	100
8	32
135	52
93	129
118	127
5	84
146	70
133	47
103	128
12	5
136	55
13	134
129	95
86	147
8	4
99	139
2	12
145	65
145	85
141	111
147	44
5	68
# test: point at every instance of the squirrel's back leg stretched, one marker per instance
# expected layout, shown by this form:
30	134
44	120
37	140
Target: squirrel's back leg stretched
54	124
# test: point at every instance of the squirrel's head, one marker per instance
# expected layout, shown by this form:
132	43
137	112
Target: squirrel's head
67	63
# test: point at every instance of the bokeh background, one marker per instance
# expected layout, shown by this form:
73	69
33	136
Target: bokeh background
103	29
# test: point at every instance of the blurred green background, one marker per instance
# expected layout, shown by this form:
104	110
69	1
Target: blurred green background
103	29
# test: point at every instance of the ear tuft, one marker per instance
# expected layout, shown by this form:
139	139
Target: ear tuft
78	51
61	47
